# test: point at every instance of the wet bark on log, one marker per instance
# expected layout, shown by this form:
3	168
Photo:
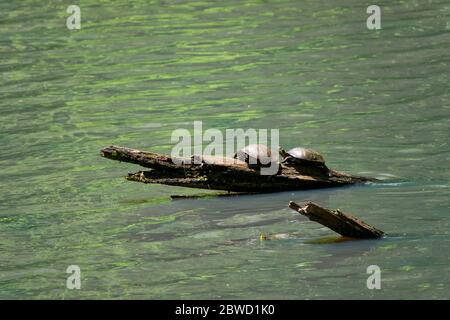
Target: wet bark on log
224	174
344	224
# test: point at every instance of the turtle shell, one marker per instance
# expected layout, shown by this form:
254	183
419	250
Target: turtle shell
306	154
254	153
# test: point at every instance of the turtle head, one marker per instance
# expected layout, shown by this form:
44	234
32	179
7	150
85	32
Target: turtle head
282	152
317	157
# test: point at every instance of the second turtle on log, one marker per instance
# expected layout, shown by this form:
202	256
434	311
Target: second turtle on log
305	158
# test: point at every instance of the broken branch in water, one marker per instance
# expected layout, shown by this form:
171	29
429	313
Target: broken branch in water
344	224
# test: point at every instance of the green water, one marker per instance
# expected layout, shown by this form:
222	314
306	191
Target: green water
374	102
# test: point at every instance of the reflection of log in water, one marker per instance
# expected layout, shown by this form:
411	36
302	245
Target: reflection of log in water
344	224
219	173
208	195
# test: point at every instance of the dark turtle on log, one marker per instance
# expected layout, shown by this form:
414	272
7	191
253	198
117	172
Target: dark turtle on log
304	157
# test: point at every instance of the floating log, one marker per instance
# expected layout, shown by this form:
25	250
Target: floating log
344	224
220	173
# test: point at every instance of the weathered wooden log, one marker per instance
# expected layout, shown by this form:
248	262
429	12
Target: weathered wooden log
223	173
344	224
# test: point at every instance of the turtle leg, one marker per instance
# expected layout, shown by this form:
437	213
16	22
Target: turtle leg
255	165
324	170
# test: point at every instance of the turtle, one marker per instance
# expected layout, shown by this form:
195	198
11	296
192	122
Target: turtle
257	155
304	157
